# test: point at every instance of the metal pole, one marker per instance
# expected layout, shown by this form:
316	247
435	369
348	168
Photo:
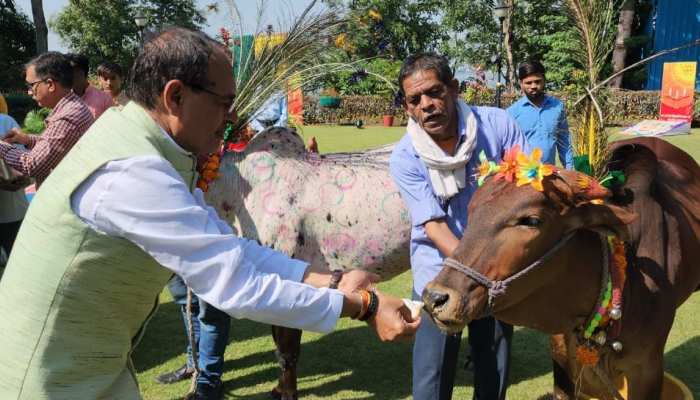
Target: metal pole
499	62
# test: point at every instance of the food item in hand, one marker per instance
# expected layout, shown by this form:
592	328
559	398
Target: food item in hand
414	306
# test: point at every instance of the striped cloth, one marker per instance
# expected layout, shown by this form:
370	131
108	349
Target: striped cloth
64	126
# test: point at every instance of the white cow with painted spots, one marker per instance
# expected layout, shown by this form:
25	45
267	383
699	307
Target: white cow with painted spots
335	211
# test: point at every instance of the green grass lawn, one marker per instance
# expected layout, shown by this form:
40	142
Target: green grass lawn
351	363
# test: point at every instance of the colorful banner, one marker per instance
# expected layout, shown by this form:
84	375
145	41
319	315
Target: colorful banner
295	106
677	91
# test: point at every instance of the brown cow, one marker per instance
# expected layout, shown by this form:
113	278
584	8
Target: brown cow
657	212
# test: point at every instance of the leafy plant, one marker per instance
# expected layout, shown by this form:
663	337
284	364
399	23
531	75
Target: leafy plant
595	35
299	59
278	67
34	121
366	78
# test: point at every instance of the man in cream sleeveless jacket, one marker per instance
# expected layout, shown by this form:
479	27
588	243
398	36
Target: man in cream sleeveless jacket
120	215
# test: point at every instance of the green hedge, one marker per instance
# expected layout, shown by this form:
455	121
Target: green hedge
19	104
625	107
369	109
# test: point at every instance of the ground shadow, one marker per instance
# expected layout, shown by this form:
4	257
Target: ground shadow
165	337
345	360
354	359
682	362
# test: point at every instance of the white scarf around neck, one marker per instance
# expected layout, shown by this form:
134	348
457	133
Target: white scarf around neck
447	173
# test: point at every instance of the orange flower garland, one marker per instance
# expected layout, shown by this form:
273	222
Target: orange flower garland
587	356
208	171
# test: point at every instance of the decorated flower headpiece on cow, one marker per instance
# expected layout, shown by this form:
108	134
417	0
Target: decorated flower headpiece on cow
523	169
517	167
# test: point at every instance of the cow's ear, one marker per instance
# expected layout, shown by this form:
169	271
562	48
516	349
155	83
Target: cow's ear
569	189
584	188
583	205
604	218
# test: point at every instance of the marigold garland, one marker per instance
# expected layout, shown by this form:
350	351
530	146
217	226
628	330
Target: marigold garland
208	171
612	299
619	270
209	168
586	355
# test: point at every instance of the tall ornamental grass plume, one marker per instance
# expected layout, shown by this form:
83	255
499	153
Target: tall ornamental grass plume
296	58
595	23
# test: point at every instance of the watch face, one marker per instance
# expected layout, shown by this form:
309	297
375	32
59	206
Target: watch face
336	276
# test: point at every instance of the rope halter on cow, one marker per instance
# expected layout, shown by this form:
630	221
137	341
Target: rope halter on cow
498	288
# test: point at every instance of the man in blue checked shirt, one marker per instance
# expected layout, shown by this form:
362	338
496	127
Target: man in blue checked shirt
434	167
542	117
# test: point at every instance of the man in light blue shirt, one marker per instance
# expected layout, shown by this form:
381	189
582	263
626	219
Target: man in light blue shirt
434	167
542	117
272	113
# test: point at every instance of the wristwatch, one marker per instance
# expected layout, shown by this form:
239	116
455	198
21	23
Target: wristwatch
336	276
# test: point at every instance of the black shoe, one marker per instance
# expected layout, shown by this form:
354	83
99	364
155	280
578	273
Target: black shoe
178	375
209	392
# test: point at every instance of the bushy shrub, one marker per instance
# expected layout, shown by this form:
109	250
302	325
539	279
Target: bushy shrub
624	107
34	121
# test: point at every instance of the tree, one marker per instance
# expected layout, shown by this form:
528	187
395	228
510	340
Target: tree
624	32
105	30
536	29
508	38
18	46
391	28
630	43
42	32
163	13
474	32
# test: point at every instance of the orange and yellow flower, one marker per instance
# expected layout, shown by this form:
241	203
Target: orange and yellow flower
531	170
508	168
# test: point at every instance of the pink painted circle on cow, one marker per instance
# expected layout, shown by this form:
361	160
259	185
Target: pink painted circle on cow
263	167
345	179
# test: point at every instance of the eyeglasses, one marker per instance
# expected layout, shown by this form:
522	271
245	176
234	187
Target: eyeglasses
32	85
226	101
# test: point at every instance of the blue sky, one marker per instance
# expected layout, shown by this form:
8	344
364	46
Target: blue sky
277	10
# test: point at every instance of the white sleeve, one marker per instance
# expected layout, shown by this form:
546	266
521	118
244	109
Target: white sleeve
144	200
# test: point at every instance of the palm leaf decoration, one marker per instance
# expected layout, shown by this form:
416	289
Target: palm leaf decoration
298	60
595	22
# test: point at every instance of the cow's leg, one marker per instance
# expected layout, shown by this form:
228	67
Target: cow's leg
563	386
288	342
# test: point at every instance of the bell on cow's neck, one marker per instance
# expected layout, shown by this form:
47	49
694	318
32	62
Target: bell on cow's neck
617	346
615	313
601	337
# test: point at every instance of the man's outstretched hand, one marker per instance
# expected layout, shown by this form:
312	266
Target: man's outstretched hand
393	320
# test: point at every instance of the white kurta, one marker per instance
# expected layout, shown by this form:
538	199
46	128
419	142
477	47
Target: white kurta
144	200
